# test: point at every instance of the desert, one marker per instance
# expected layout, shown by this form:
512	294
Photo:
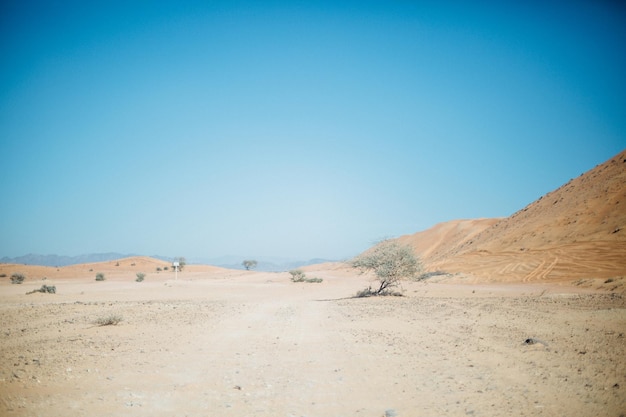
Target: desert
312	208
519	316
236	343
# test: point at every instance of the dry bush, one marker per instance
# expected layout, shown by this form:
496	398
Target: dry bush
298	276
17	278
249	264
50	289
110	320
390	262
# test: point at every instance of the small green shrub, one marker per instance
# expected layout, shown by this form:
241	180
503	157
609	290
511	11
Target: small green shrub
159	269
3	275
298	276
17	278
140	276
165	268
50	289
100	276
249	264
110	320
369	292
431	274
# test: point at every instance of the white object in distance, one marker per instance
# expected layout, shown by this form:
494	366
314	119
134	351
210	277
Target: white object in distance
176	265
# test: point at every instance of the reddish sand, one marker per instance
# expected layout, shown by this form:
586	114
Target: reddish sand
575	232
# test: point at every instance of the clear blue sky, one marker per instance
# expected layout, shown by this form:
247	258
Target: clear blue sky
293	129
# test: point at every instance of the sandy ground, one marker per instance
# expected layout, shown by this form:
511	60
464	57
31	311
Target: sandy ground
231	343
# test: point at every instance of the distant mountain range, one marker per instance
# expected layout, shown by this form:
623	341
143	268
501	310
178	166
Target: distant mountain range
57	260
265	264
274	266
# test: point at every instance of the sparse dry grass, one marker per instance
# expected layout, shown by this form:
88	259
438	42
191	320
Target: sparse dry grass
110	320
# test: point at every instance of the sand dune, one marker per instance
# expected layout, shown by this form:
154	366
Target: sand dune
577	231
122	269
439	241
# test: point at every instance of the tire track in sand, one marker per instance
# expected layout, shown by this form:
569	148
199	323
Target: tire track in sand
541	271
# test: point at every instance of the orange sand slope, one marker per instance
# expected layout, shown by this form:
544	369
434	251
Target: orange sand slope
122	269
577	231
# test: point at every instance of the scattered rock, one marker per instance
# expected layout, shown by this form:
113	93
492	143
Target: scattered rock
533	341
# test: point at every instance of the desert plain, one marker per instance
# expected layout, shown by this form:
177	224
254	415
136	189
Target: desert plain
519	316
218	342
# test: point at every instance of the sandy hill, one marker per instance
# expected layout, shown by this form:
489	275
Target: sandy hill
124	269
577	231
436	243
